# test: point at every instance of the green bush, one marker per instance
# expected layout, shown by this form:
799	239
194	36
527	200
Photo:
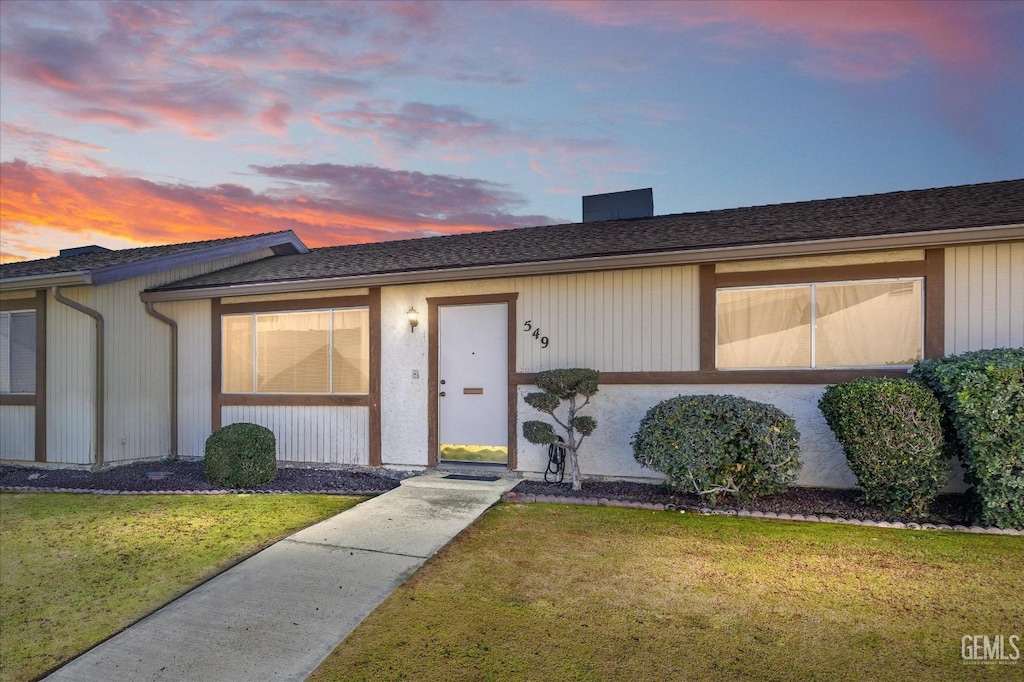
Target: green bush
240	455
891	432
712	445
982	394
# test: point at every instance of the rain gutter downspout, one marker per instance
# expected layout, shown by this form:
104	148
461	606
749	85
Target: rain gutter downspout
174	374
100	370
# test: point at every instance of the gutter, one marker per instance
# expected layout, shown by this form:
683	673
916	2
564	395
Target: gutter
99	369
933	239
63	279
174	374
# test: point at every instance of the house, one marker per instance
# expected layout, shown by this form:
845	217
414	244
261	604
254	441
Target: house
85	366
419	352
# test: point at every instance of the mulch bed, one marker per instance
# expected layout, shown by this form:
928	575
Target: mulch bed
849	504
187	476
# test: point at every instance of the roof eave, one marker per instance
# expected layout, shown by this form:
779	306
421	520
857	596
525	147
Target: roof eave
282	244
909	240
59	279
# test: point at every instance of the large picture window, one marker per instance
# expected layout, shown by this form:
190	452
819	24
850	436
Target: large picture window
18	351
873	323
323	352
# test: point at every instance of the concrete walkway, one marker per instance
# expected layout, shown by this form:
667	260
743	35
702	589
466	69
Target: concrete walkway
278	614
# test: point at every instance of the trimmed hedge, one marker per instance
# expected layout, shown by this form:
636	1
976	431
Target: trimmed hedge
982	394
891	433
720	444
240	455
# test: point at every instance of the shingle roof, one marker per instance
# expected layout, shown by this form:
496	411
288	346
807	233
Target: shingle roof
123	259
964	206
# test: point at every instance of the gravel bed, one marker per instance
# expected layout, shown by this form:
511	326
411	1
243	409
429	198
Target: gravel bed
187	476
848	504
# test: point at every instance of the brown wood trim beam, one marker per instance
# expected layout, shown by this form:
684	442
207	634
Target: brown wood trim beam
293	400
835	273
509	298
513	394
707	333
935	303
19	399
297	304
215	368
432	376
765	376
375	378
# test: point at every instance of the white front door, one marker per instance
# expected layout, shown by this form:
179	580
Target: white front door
472	395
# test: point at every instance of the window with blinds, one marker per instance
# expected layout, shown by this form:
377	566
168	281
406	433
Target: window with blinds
303	352
18	351
873	323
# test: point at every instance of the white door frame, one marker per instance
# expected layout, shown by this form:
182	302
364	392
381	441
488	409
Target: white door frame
434	354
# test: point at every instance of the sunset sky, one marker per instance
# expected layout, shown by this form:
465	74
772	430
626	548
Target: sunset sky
134	123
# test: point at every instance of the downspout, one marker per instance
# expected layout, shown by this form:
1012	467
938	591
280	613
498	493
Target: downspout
174	374
100	369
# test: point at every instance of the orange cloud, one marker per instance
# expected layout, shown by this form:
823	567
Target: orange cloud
324	204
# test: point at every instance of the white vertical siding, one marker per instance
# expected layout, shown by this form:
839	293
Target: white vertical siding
137	377
314	435
984	297
621	321
194	381
70	357
18	432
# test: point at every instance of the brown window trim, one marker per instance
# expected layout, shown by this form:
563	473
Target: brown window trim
371	400
932	269
38	399
432	369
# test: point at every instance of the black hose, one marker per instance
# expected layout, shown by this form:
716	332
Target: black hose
556	462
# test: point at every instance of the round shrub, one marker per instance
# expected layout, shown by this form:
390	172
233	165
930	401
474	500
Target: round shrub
891	432
720	444
240	455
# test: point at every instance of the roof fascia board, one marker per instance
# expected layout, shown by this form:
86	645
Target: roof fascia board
687	257
149	266
60	279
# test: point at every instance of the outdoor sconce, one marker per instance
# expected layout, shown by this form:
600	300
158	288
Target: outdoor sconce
414	319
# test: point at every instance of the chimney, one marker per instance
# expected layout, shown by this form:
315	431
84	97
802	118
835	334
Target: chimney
634	203
82	250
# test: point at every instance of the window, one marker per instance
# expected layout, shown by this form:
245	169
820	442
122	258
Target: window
18	352
872	323
302	352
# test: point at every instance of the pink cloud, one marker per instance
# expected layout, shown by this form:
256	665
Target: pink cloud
274	119
848	40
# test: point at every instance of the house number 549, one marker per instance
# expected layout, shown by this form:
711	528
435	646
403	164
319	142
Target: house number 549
528	327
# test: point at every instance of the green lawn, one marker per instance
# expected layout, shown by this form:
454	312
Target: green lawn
546	592
75	569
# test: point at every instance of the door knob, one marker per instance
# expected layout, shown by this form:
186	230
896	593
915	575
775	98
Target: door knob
442	382
442	394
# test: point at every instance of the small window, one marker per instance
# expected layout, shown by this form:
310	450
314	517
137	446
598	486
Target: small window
18	352
305	352
876	323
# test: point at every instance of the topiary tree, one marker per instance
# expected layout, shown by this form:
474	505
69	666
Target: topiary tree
720	444
563	385
240	455
891	433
